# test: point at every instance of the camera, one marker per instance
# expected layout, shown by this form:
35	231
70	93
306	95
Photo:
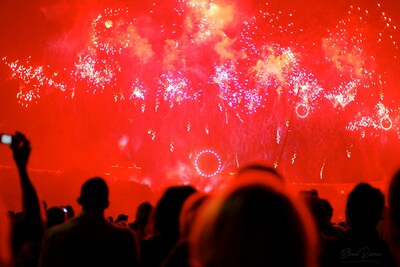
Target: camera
6	139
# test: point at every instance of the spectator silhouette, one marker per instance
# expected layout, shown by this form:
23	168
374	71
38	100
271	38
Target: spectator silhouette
322	212
156	248
179	256
5	238
258	168
55	216
360	245
89	239
329	229
253	222
394	215
143	213
28	225
308	194
122	220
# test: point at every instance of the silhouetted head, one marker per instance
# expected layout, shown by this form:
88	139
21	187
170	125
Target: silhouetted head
168	208
327	208
122	218
143	212
258	168
55	215
253	223
189	212
308	193
320	209
94	195
364	207
394	205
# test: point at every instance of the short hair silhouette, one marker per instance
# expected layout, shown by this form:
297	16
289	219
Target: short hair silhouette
89	239
94	195
364	206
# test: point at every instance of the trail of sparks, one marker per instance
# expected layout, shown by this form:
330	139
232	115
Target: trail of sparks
265	58
383	119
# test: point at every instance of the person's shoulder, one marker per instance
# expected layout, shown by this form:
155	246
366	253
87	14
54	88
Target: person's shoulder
121	231
124	236
60	229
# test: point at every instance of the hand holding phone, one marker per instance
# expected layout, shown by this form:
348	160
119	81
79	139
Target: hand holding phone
6	139
21	148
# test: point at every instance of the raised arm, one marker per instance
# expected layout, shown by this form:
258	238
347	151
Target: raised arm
30	227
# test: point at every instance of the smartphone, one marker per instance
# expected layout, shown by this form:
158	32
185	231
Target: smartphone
6	139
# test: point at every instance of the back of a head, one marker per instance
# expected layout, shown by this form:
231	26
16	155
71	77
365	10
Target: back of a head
189	212
258	168
394	205
364	207
167	210
252	224
327	208
55	215
143	212
121	218
94	195
320	209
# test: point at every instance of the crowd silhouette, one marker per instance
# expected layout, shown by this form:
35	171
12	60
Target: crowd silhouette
255	220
